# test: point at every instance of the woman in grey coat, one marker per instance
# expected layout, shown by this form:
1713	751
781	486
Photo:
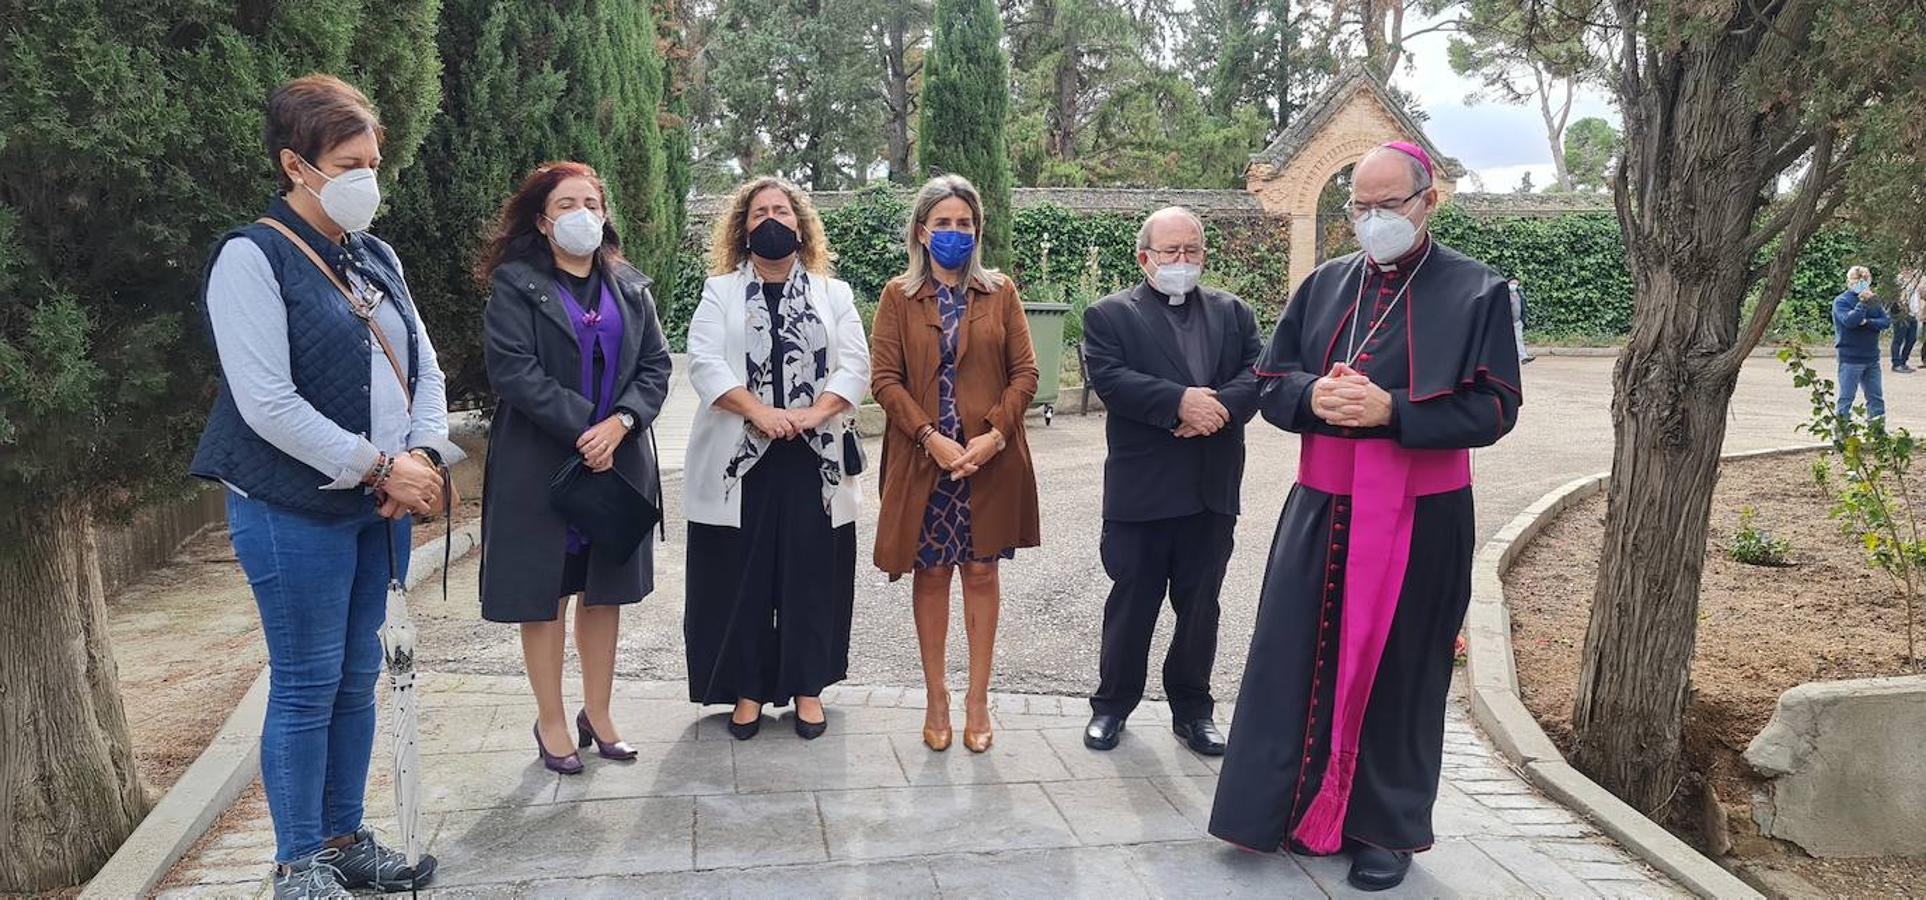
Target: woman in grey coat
577	356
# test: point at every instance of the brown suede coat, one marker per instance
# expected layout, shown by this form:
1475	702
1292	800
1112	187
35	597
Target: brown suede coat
995	381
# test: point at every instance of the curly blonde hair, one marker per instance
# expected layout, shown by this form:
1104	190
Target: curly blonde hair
729	240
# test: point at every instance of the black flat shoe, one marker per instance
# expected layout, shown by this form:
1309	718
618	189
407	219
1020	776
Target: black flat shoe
1378	869
743	732
810	731
1201	735
1102	732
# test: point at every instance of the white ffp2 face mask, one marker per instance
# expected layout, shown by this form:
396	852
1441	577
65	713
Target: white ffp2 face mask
578	232
1176	280
350	198
1385	235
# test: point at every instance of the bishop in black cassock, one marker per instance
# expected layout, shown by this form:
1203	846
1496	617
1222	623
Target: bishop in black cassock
1391	363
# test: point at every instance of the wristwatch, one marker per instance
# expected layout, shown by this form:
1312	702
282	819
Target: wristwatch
628	419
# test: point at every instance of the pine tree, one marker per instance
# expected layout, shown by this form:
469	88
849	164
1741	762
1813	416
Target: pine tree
524	84
129	139
966	99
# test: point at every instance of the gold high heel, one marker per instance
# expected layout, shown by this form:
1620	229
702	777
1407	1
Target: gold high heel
939	741
977	741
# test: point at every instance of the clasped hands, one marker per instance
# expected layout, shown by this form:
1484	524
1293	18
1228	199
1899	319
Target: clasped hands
1347	398
787	424
959	460
597	445
414	487
1200	413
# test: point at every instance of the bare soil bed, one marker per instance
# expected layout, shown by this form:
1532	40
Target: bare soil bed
1826	616
180	683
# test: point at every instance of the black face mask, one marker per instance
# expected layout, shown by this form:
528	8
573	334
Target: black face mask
773	240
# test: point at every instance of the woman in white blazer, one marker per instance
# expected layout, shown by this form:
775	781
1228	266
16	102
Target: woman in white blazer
778	361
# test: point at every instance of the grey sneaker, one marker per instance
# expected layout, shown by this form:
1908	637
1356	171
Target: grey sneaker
367	864
314	878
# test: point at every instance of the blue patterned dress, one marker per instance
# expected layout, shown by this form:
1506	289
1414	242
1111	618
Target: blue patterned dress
946	537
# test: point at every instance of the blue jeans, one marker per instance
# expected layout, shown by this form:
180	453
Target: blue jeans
1852	377
1904	333
321	584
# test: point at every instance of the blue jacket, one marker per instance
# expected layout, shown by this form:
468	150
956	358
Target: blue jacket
1858	326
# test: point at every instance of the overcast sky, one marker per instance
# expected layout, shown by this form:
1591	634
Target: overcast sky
1498	142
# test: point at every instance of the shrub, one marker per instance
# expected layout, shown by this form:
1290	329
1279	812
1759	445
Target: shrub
1755	547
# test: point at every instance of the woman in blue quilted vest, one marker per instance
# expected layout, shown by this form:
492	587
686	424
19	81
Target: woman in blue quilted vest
329	431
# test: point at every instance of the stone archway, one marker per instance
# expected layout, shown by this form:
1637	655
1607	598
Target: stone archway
1354	115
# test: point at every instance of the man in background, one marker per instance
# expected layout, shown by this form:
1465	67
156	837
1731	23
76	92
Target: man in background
1857	320
1518	320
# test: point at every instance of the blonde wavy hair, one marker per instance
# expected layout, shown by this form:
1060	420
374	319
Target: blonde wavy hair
729	241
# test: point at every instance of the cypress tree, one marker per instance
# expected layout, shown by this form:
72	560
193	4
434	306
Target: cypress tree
523	84
130	137
966	99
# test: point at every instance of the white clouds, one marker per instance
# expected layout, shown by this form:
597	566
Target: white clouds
1497	141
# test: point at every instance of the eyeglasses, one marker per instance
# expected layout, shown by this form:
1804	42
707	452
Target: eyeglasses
1360	210
1191	253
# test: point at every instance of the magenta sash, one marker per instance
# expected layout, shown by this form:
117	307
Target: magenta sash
1383	481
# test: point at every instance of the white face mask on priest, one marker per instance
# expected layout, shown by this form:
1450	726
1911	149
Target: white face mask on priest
1392	198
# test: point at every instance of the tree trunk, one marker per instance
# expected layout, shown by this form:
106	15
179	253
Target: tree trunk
897	91
1669	420
69	794
1068	82
1688	193
1555	121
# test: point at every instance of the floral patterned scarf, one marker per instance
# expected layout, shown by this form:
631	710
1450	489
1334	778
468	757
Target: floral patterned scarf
803	345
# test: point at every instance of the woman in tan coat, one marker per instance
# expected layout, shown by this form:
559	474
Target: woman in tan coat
952	366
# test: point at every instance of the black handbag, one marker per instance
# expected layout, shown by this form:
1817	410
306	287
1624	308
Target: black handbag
853	460
615	514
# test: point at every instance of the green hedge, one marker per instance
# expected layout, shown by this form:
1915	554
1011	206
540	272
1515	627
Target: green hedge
1572	266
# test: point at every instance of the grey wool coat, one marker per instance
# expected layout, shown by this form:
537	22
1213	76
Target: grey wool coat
535	368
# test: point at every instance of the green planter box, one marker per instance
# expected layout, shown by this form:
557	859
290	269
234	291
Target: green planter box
1046	338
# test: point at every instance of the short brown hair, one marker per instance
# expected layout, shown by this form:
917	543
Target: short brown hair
311	115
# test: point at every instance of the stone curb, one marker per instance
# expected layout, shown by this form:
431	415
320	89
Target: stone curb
224	770
1497	708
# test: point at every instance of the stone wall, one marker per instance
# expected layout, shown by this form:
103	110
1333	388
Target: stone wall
1845	763
1211	204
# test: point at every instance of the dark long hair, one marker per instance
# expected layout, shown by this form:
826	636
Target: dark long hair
515	235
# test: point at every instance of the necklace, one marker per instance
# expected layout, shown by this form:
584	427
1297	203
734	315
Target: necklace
1352	347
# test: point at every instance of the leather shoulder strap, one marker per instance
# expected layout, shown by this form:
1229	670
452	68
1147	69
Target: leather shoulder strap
367	318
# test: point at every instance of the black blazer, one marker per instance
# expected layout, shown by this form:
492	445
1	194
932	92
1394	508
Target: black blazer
1138	369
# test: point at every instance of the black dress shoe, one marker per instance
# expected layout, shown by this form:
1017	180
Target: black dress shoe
744	731
1378	869
1201	735
810	731
1102	732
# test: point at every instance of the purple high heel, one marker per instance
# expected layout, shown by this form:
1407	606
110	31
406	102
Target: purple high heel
585	733
565	765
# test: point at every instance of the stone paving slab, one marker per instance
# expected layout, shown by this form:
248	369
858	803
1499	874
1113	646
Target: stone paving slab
868	811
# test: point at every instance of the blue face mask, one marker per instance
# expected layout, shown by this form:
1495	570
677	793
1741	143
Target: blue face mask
1859	287
952	249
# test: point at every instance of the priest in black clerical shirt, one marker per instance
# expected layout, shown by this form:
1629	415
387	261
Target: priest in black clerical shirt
1173	363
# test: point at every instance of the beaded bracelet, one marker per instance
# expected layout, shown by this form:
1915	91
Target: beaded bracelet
384	467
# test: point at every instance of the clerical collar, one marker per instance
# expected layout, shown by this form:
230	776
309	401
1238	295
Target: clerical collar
1409	259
